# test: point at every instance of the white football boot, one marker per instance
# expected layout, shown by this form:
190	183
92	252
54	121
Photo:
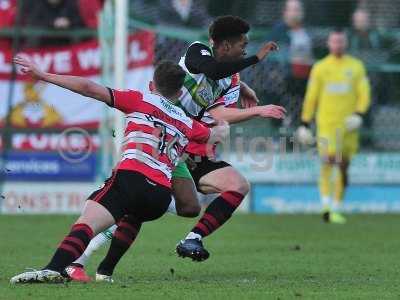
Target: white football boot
104	278
36	276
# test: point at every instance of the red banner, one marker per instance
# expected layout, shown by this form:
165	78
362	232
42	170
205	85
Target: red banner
81	59
54	132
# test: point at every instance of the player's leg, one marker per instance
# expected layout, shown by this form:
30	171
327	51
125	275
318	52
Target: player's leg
184	191
330	147
100	212
151	202
350	148
325	179
123	237
341	182
95	244
77	269
94	219
213	177
326	146
186	205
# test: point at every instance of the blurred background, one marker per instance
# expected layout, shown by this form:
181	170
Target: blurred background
57	146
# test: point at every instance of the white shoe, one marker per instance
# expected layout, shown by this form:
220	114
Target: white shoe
38	276
105	278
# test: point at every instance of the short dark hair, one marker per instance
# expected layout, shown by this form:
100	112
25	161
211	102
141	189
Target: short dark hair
168	78
228	28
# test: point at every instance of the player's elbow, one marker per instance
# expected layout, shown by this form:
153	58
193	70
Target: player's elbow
219	114
87	89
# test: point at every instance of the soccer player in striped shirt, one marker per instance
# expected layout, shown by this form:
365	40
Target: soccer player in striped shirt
211	91
156	135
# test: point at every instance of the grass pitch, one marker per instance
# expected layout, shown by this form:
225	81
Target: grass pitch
252	257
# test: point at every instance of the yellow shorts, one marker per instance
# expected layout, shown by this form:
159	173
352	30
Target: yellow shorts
337	141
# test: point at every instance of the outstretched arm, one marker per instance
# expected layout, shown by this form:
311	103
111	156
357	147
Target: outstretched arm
200	60
79	85
236	115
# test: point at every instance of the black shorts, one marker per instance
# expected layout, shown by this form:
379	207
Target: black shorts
202	165
131	193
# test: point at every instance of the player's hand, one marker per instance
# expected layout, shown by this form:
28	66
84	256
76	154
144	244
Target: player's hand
353	122
266	49
219	133
304	135
28	67
248	97
271	111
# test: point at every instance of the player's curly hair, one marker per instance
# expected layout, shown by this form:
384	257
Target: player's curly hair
227	28
168	78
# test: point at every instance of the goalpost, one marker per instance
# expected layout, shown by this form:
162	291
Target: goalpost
120	66
113	33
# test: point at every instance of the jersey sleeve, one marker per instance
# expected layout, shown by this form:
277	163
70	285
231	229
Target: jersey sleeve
199	133
312	94
199	59
126	101
363	91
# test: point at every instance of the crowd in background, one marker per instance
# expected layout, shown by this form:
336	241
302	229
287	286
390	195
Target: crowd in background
363	18
49	14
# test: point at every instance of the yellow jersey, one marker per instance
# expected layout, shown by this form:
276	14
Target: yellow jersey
337	88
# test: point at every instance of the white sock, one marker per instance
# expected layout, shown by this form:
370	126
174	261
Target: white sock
336	205
193	235
99	240
172	208
326	202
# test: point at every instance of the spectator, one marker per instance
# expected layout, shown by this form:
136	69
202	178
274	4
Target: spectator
7	19
290	32
184	13
291	35
366	43
52	14
362	36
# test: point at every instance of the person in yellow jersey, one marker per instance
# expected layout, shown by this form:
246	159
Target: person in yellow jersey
338	94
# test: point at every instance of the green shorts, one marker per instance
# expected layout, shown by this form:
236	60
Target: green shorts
181	171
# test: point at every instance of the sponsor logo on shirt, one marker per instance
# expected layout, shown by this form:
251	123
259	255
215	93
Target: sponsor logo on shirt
171	108
205	52
338	87
232	97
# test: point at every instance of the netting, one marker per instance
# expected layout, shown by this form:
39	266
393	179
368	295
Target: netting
280	80
384	13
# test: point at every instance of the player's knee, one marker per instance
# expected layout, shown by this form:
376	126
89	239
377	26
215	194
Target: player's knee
244	187
239	184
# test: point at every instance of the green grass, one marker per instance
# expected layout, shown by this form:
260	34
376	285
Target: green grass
252	257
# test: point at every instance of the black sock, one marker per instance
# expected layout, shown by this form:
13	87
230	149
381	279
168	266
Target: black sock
123	238
72	247
218	212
